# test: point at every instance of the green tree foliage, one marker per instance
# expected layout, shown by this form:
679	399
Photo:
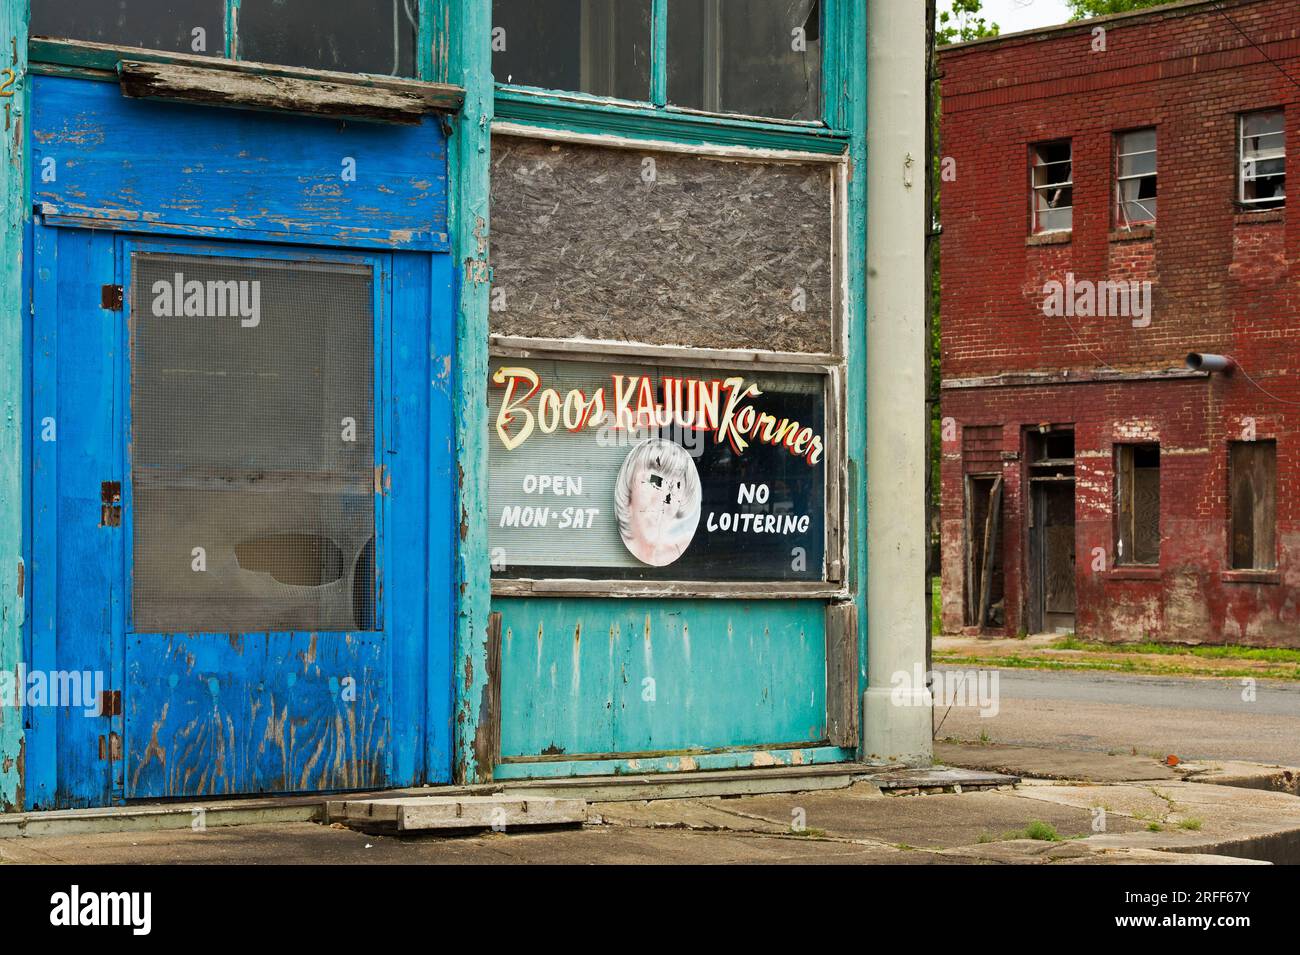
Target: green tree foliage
964	21
1080	9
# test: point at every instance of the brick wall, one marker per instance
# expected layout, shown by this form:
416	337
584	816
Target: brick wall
1223	280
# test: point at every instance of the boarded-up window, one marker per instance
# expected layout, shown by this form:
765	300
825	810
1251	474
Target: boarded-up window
1137	504
663	248
1253	475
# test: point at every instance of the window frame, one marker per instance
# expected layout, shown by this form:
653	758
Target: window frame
575	109
833	366
1242	161
1118	215
96	56
1035	189
1122	560
1232	511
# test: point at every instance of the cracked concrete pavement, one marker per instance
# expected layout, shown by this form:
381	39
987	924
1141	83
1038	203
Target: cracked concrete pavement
1103	809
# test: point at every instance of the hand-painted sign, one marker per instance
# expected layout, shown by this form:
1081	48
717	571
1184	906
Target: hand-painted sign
612	471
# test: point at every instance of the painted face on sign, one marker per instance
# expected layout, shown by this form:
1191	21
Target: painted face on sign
657	501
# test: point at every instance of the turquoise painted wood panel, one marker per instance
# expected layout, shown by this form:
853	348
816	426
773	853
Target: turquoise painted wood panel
584	677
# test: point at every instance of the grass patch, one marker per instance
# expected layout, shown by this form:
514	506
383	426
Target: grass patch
809	831
1017	662
936	607
1155	827
1191	824
1228	652
1038	830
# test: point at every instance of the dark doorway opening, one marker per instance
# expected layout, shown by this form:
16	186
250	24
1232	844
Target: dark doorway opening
1049	451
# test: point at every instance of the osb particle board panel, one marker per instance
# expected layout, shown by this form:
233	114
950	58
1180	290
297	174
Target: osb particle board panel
708	253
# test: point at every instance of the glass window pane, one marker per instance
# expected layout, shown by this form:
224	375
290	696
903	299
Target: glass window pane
1137	164
1055	220
1139	140
177	26
1268	121
357	36
601	47
756	57
252	445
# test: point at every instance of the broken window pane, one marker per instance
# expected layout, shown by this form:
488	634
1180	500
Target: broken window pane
1053	186
1252	469
756	57
252	445
1135	178
1263	159
1137	504
360	36
600	47
177	26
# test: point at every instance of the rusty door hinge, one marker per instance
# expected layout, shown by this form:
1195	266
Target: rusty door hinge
111	297
110	703
110	747
110	504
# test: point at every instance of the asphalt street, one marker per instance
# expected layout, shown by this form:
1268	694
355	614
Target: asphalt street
1188	717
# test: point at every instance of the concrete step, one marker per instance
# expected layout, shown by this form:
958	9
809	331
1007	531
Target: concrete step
421	813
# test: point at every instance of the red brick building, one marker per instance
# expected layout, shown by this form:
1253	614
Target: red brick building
1115	198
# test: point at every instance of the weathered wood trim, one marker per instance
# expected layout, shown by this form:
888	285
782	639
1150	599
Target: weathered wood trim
842	674
1070	377
469	28
643	122
15	211
101	61
605	350
631	766
748	590
172	83
704	150
487	739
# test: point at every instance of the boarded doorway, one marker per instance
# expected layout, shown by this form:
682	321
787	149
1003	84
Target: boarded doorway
1050	520
983	533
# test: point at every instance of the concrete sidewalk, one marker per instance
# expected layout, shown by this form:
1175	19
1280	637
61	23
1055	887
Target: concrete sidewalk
1102	809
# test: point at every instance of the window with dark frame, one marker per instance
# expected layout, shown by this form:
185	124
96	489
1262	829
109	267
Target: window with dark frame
600	47
1252	500
751	57
1135	178
1137	504
1052	186
759	58
1262	159
376	37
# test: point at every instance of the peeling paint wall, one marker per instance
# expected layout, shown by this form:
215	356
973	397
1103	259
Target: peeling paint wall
1224	280
13	216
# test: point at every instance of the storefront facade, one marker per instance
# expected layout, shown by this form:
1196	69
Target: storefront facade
385	423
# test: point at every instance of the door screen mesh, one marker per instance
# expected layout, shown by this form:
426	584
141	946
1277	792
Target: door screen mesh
252	445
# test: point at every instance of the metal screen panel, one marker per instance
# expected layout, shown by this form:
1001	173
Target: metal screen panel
252	444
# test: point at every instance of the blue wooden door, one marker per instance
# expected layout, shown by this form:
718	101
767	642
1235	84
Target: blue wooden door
234	523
